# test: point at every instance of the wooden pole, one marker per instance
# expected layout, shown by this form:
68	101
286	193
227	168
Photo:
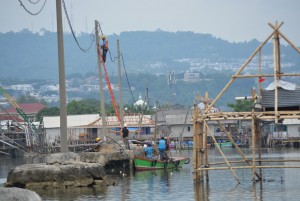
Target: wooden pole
253	142
247	167
205	138
198	159
217	145
241	69
256	123
285	38
259	73
276	70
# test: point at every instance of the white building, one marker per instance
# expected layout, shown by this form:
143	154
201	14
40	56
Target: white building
22	87
293	127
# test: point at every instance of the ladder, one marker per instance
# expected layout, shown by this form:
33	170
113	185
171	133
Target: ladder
109	87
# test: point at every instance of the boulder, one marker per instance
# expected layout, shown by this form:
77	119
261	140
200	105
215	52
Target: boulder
18	194
43	176
64	170
62	158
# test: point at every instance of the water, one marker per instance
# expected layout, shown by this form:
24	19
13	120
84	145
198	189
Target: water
278	184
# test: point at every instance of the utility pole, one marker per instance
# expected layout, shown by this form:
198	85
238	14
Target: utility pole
155	131
120	84
62	82
102	105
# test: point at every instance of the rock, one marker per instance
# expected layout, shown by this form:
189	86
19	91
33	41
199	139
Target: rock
18	194
63	158
44	176
111	180
64	170
21	175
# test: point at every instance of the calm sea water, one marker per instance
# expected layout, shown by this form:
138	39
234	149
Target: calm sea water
278	184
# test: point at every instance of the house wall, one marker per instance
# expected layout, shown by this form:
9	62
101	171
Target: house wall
293	130
53	134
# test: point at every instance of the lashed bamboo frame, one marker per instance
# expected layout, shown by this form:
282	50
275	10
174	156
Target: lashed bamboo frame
201	126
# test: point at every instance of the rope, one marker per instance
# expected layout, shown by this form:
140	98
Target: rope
75	38
127	78
112	59
28	11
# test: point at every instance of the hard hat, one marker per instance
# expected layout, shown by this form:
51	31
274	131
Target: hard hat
145	146
102	37
98	139
125	125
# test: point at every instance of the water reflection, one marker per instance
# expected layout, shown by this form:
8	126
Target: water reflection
277	184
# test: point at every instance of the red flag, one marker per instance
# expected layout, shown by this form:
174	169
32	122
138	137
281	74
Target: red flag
261	79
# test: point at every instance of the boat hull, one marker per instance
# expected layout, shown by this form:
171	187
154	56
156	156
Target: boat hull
142	163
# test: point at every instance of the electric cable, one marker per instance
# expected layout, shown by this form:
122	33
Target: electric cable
32	2
28	11
127	78
70	25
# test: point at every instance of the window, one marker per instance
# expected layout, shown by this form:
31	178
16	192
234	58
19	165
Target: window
189	128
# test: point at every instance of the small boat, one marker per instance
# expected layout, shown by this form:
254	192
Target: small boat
143	163
224	144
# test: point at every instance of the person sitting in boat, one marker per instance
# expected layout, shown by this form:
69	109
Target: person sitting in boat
162	149
148	150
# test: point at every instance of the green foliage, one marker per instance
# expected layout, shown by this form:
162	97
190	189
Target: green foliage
82	107
51	111
241	105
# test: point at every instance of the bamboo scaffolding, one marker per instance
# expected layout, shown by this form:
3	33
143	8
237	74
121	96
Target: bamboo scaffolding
264	161
237	147
285	38
242	68
267	75
216	143
200	121
248	167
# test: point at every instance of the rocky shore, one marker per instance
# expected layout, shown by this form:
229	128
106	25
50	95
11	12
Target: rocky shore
68	170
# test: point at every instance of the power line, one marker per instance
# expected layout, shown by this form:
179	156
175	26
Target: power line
127	79
32	2
75	38
28	11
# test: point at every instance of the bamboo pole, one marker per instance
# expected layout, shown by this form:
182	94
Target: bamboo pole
276	70
264	161
248	167
217	145
241	69
205	138
285	38
253	146
258	146
197	157
259	73
237	147
268	75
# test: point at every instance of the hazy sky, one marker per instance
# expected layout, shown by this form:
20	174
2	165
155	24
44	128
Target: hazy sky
232	20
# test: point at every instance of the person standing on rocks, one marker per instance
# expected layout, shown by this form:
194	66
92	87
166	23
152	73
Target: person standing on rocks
124	135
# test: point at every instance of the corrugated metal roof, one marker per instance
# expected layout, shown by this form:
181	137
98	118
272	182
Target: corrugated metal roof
93	120
130	120
286	98
73	120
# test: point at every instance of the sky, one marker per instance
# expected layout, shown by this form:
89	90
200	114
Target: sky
231	20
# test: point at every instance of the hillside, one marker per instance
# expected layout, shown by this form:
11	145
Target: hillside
147	56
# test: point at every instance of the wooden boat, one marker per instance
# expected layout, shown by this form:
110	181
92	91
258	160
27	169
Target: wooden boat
143	163
224	144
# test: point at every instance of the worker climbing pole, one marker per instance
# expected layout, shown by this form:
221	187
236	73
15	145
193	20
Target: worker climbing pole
102	51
